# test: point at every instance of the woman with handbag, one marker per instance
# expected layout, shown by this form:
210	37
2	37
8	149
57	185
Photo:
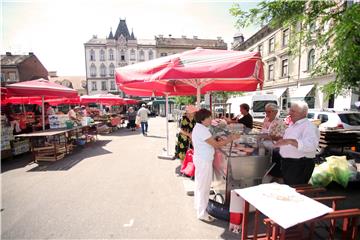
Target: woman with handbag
204	150
187	124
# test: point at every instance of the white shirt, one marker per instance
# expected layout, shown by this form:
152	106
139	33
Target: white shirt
306	134
143	114
202	150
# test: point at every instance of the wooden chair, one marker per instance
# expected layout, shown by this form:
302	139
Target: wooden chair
350	230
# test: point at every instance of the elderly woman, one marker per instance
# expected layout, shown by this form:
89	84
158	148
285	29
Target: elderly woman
275	129
204	150
132	118
187	124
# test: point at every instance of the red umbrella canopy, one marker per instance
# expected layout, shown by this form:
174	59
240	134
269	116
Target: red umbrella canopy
187	72
40	87
103	99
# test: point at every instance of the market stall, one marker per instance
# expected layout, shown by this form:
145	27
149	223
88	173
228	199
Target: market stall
240	164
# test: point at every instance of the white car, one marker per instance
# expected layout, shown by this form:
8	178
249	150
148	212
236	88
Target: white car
336	119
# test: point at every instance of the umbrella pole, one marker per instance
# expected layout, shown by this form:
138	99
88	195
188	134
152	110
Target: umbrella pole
165	154
198	96
43	112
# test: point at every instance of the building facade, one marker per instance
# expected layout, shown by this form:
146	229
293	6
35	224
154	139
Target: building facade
289	76
17	68
102	56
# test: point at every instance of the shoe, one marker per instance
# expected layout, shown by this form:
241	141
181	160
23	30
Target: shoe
208	219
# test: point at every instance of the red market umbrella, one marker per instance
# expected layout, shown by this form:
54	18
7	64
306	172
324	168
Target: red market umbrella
41	88
194	72
109	98
131	101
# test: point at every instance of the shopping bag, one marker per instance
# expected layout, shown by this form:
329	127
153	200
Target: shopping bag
137	120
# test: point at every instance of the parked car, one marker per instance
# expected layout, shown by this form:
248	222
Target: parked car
336	119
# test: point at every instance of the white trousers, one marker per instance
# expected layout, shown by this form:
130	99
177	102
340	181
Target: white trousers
203	177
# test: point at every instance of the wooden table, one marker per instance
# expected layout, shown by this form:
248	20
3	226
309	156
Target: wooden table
51	152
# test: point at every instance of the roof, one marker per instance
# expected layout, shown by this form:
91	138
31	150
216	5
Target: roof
97	41
190	42
264	31
7	60
76	81
146	42
122	29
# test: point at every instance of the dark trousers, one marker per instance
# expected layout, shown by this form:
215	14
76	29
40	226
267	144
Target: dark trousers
132	124
144	127
297	171
276	158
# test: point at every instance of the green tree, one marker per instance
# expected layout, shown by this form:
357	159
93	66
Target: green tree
340	43
185	100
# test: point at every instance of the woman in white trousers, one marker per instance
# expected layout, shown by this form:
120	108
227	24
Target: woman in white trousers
204	150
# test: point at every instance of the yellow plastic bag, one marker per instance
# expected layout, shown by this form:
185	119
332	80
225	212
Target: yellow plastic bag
322	175
340	169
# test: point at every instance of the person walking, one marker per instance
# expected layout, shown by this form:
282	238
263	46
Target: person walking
298	146
187	123
143	114
204	150
132	118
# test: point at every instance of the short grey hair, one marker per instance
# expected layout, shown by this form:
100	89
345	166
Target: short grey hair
272	106
302	105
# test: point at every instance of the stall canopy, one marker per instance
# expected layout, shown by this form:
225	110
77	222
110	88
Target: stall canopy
131	101
108	98
40	88
194	72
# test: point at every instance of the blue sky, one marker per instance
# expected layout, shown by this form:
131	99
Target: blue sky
57	30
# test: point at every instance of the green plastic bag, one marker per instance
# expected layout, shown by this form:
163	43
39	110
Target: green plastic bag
322	175
340	169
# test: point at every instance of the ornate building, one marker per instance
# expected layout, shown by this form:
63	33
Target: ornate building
102	56
289	76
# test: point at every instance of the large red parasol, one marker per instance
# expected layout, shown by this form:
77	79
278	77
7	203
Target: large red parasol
41	88
108	98
194	72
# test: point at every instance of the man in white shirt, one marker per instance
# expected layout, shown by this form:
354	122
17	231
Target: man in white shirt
143	114
298	146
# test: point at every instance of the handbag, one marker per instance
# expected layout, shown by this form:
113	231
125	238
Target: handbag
217	209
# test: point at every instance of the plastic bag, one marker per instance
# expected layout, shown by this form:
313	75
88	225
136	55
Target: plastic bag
322	175
340	169
353	170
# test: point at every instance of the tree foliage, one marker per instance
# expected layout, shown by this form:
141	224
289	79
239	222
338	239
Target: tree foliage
185	100
337	34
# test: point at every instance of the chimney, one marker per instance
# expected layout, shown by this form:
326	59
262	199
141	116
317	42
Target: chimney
8	53
52	74
95	36
195	37
219	38
170	35
31	53
183	36
161	36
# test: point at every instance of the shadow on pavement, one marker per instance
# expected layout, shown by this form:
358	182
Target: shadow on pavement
153	136
78	155
16	162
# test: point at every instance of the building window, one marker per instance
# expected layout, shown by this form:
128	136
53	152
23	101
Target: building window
151	55
93	70
284	67
92	55
102	70
102	55
141	56
93	86
103	86
272	44
122	55
112	85
311	60
111	54
12	76
260	49
111	70
271	72
132	55
285	39
163	54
